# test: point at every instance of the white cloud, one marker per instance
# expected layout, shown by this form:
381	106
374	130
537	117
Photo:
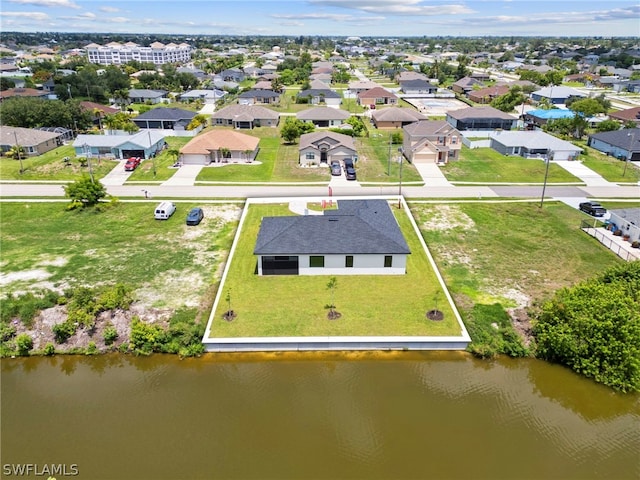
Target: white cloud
558	17
109	9
47	3
37	16
397	7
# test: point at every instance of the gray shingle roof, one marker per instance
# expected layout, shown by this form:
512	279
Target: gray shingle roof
323	113
621	138
356	227
479	112
166	114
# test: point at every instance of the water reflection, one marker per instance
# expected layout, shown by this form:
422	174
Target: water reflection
366	415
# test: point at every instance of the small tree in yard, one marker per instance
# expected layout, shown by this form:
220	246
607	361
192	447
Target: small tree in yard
84	192
332	285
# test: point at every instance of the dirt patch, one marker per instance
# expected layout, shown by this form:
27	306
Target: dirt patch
448	217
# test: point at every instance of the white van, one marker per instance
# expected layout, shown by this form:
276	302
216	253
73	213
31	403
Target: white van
164	210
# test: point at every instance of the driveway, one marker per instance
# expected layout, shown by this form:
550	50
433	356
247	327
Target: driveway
184	176
588	176
432	175
117	175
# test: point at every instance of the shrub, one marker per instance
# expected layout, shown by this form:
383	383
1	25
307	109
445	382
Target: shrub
92	349
24	343
62	331
110	334
49	349
7	332
145	338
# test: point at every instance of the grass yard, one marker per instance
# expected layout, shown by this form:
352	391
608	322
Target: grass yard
168	264
373	160
610	168
485	165
50	166
163	163
509	253
295	305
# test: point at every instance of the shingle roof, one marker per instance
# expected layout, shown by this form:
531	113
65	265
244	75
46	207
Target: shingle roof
356	227
377	92
144	139
397	114
26	137
216	139
621	138
259	94
534	139
479	112
323	113
429	127
166	114
309	139
141	93
253	111
313	92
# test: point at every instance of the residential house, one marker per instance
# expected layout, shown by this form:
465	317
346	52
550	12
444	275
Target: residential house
245	117
362	86
627	115
628	221
377	96
259	97
220	146
144	144
360	237
556	95
623	144
481	118
22	92
207	96
173	121
535	119
33	141
321	97
487	94
147	96
232	75
323	116
410	75
97	111
322	147
533	144
417	87
466	85
395	117
429	141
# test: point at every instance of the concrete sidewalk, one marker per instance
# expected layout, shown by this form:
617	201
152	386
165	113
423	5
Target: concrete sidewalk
184	176
117	175
588	176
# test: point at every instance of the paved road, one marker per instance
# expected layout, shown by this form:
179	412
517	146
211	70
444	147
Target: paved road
23	190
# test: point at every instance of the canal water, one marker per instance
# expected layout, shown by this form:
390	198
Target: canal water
432	415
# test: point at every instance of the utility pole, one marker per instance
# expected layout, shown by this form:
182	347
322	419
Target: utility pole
546	174
400	182
153	157
389	163
630	153
86	151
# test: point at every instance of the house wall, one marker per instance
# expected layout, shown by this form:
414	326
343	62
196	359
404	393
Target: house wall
626	226
362	265
334	154
195	159
607	148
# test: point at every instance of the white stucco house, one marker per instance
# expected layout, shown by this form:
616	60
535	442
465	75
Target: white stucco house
360	237
322	147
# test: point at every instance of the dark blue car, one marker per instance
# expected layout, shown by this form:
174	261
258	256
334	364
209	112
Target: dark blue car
195	216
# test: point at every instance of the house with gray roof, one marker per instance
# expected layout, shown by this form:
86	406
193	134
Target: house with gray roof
556	95
172	120
322	147
431	141
150	96
323	116
207	96
245	116
33	141
621	144
417	87
627	220
481	118
395	117
254	97
533	144
360	237
144	144
321	96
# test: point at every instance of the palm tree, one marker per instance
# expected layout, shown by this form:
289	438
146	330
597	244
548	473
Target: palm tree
17	152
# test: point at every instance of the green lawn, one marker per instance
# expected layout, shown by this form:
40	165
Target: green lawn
610	168
50	166
162	163
373	160
167	263
294	305
485	165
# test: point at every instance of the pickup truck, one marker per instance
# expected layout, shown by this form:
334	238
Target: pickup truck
131	164
593	208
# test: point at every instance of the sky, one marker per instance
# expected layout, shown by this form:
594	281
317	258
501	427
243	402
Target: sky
327	17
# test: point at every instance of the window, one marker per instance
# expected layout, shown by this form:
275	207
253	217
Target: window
348	261
454	140
388	260
316	261
310	156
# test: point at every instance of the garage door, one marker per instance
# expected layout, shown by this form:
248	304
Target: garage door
280	265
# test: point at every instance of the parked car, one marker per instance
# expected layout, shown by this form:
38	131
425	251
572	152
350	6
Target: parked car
132	164
593	208
350	173
195	216
348	163
336	169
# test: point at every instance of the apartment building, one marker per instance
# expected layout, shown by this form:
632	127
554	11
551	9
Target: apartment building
115	53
